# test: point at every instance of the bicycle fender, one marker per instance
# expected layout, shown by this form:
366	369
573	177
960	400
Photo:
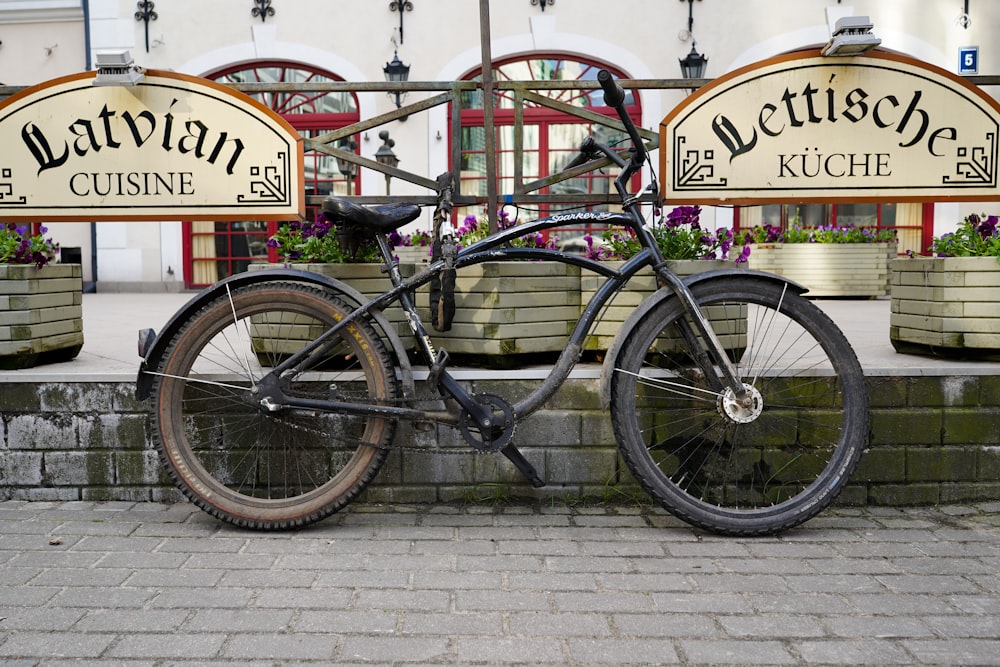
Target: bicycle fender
144	381
662	295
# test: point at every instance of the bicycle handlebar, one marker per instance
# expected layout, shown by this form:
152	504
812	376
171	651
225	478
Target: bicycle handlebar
614	95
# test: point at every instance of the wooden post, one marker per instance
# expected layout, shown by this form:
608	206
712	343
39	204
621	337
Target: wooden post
488	126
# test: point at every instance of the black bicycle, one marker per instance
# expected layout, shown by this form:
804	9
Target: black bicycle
274	396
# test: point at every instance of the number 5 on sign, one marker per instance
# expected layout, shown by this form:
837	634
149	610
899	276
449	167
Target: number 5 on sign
968	60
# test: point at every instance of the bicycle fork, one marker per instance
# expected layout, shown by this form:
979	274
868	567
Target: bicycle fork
709	348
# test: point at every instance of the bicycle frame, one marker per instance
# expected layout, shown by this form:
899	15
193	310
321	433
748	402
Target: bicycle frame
492	249
697	331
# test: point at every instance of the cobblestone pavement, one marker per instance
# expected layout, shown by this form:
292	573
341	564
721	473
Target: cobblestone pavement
147	584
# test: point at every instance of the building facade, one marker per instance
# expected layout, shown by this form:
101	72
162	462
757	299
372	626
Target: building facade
440	40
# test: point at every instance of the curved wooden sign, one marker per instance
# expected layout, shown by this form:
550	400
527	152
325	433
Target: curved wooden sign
801	127
173	147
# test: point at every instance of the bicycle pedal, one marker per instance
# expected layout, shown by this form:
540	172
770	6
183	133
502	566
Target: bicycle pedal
434	373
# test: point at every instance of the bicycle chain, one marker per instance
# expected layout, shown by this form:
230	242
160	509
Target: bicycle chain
436	449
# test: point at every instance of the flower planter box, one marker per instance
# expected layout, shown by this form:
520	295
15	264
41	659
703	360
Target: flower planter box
506	310
41	314
947	306
637	290
829	269
369	279
418	254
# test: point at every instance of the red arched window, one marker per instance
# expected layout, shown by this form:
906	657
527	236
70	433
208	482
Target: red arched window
217	249
550	138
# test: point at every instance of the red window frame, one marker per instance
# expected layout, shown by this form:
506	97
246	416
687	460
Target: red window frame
289	106
545	118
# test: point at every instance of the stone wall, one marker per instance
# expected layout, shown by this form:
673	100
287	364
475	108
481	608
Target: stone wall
935	439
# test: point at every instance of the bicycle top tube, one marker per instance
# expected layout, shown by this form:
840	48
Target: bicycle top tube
551	222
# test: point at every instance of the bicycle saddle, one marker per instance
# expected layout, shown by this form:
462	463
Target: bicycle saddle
372	219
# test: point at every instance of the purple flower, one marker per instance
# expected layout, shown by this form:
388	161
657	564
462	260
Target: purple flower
988	227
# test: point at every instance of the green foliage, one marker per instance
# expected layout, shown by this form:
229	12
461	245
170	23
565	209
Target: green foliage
317	243
679	236
823	234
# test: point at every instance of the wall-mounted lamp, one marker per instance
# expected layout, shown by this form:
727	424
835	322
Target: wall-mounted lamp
145	14
401	6
347	168
852	36
262	9
693	64
384	155
116	68
396	71
543	3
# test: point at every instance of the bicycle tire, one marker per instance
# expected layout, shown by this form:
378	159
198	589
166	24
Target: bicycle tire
730	468
241	462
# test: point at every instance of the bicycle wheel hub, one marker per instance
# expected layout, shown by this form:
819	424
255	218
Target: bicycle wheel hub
741	409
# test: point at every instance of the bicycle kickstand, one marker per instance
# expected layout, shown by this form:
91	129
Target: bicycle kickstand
522	464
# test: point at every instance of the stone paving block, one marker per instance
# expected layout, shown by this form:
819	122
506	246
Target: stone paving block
625	651
392	650
955	651
847	652
771	626
490	650
365	622
455	624
168	646
55	645
757	652
273	646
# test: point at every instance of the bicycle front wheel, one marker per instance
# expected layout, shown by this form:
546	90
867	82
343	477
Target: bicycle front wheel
750	463
256	465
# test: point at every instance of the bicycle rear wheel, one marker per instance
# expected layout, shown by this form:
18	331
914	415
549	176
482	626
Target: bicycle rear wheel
741	467
239	460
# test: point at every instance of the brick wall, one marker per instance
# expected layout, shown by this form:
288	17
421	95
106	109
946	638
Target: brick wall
935	439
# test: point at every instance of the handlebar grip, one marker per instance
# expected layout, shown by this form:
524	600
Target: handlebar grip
584	156
614	95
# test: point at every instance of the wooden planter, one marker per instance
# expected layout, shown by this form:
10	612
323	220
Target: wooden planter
640	287
369	279
829	269
41	314
946	305
506	310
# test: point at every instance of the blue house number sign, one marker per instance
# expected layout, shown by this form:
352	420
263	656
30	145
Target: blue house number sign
968	60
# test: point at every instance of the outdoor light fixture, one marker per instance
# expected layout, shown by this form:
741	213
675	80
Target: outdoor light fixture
347	168
116	68
384	155
396	71
693	64
852	36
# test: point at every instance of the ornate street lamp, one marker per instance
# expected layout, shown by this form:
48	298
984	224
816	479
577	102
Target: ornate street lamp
396	71
347	168
384	155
